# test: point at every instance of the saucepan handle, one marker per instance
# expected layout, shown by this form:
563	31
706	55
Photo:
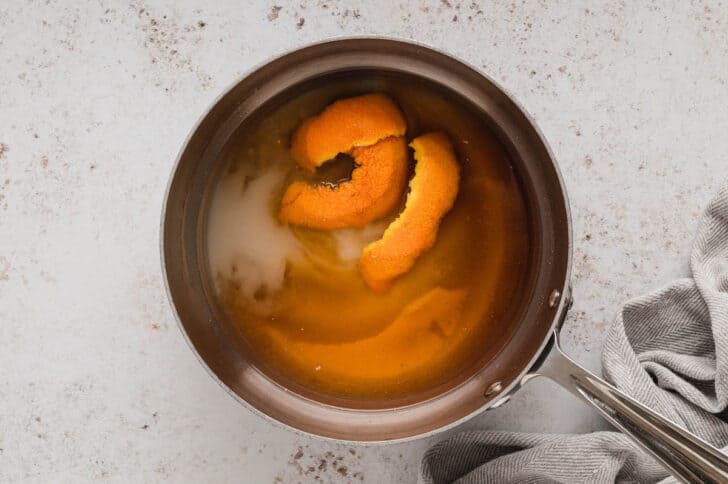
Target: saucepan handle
688	457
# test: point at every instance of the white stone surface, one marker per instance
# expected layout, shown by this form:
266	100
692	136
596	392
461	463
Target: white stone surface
96	381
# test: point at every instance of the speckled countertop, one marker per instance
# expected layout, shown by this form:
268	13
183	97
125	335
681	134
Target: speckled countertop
96	381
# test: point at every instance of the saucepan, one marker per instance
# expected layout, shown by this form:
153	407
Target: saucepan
544	308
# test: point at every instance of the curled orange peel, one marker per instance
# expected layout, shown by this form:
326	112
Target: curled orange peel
432	193
343	125
375	190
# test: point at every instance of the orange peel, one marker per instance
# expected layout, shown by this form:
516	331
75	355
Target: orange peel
433	190
375	190
343	125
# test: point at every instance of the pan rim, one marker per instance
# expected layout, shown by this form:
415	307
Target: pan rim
564	289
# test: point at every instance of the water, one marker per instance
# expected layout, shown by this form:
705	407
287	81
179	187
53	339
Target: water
293	299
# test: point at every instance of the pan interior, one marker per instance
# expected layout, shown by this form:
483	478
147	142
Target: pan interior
532	312
308	322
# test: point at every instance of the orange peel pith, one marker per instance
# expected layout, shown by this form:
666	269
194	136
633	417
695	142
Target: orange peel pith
375	190
432	193
343	125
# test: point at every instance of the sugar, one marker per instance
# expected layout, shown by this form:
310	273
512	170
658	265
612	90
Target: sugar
351	242
247	245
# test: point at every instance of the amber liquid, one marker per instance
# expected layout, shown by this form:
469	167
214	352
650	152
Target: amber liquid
293	300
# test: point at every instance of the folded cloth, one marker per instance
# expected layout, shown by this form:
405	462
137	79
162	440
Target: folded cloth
669	350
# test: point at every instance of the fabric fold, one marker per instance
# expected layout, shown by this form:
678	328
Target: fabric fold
668	349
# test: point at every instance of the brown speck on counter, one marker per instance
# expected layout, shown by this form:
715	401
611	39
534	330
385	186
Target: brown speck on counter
92	167
343	471
300	22
166	41
446	3
44	162
144	427
588	237
4	207
454	18
3	150
274	11
299	454
22	76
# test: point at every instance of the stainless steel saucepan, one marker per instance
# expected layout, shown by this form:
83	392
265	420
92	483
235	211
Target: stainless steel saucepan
182	240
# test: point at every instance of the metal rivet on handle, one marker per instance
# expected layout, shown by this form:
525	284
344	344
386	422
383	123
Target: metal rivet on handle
493	389
554	298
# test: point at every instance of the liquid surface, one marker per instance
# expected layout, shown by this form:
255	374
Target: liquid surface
293	299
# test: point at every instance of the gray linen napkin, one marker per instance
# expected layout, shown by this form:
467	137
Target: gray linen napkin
668	350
